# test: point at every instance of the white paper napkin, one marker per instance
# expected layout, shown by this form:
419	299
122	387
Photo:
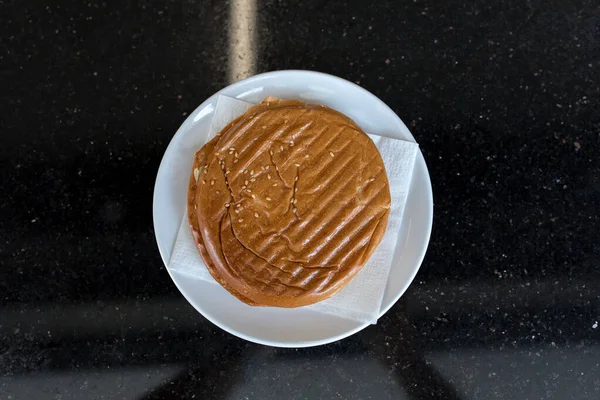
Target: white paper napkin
359	300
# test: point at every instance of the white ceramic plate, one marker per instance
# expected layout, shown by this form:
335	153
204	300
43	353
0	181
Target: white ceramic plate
278	326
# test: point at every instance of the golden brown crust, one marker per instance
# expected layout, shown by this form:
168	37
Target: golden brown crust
287	203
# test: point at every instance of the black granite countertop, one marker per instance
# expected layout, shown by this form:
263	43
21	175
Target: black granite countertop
503	97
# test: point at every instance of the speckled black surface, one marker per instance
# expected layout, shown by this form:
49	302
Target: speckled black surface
504	99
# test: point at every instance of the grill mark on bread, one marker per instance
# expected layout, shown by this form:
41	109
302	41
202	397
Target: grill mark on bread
323	161
324	202
341	242
309	225
256	254
353	216
284	230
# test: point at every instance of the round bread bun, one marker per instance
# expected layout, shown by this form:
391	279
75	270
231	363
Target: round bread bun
287	203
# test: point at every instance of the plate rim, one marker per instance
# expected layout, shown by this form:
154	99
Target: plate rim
310	343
